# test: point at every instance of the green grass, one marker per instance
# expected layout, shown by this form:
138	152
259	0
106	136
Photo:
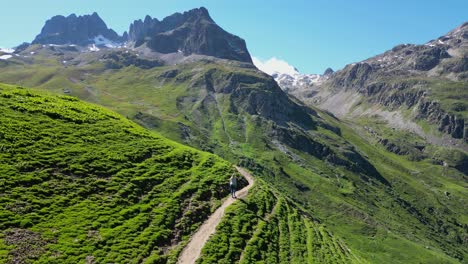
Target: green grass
81	183
331	172
92	184
452	96
267	228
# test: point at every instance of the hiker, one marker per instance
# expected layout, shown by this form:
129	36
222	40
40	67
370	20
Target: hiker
233	186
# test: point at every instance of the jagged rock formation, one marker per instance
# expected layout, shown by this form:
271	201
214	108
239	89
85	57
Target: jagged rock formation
193	32
79	30
328	72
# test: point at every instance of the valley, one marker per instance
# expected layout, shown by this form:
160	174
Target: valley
367	164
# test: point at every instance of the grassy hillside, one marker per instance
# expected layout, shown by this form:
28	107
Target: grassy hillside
80	183
267	228
388	208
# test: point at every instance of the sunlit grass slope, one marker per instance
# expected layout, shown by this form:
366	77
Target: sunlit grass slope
80	183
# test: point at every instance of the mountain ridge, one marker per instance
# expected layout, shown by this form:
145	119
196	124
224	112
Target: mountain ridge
79	30
191	32
406	77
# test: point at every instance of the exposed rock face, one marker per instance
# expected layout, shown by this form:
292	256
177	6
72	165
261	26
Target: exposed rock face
286	124
328	72
120	59
140	31
354	75
403	93
79	30
447	123
193	32
418	77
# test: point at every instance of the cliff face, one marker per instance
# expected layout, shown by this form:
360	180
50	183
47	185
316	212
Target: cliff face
410	95
193	32
447	123
79	30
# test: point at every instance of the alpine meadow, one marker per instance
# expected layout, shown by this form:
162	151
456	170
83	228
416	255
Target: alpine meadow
122	148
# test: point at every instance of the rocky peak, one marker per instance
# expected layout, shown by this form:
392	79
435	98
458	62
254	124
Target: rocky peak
328	72
139	30
73	29
191	32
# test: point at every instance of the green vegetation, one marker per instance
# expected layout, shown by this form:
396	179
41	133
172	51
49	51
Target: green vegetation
266	228
452	96
387	207
80	183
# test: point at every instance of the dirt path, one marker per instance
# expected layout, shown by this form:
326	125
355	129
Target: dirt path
193	249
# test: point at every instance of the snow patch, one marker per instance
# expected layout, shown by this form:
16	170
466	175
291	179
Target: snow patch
5	57
100	40
93	48
274	65
287	76
7	50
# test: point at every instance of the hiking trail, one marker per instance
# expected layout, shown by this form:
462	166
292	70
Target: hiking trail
192	251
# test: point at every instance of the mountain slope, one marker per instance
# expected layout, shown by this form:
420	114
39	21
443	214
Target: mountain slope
79	30
193	32
336	174
82	184
387	207
421	88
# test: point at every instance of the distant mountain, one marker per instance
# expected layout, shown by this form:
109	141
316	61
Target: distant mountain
288	77
299	81
430	80
78	30
192	32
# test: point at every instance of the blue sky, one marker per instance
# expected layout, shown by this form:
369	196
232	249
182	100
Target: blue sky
311	35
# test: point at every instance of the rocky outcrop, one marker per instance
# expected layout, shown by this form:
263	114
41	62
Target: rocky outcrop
425	58
457	66
394	95
328	72
403	93
354	75
415	76
140	31
446	123
120	59
193	32
257	95
79	30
